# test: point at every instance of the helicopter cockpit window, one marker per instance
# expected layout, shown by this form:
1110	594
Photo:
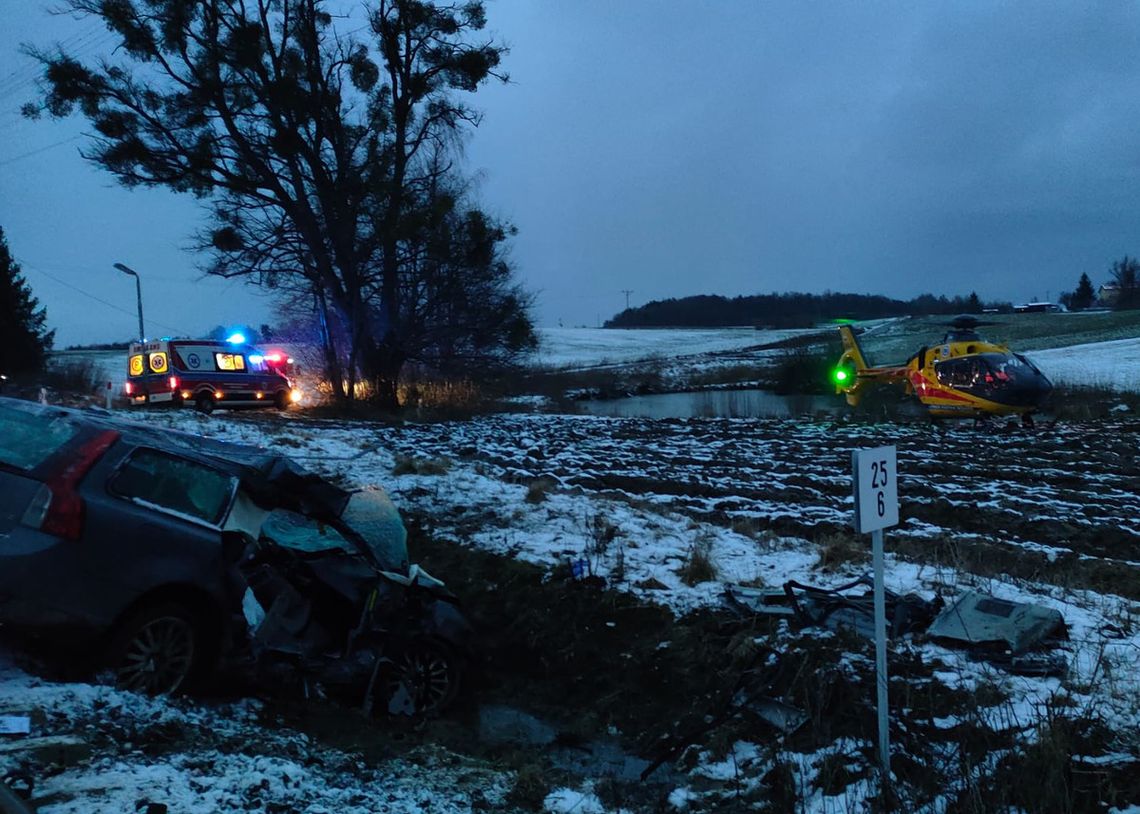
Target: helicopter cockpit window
965	371
986	372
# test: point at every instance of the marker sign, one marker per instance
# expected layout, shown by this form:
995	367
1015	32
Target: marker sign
876	489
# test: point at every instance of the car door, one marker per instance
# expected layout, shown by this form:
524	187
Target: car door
154	519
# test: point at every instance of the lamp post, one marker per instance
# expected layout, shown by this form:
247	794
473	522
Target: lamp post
138	292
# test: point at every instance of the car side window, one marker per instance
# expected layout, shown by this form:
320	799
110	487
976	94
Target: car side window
176	485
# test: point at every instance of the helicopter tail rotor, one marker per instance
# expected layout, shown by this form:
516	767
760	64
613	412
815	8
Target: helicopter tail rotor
846	373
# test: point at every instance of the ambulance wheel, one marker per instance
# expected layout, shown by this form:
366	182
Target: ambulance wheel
204	403
281	400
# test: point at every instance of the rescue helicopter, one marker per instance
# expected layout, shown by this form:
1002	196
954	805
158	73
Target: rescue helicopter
963	376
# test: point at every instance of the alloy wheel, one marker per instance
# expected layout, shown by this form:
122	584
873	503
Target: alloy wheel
158	657
423	681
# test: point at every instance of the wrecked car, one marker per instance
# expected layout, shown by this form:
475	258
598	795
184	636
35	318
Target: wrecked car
161	555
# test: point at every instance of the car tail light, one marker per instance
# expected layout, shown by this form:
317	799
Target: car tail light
128	388
57	508
173	382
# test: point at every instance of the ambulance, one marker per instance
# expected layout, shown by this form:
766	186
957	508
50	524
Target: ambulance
208	373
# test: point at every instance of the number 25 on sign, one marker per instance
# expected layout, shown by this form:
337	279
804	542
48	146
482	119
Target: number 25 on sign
876	489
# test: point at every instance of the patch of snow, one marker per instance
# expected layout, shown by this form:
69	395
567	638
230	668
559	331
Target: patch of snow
1097	364
569	801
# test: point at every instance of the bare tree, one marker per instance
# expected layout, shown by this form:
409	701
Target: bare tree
1126	274
310	150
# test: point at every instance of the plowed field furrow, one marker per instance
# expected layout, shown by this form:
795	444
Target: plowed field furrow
1075	488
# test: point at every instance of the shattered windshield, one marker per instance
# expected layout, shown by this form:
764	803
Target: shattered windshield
293	530
369	513
372	515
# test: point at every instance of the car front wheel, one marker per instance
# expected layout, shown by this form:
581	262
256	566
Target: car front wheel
423	679
156	650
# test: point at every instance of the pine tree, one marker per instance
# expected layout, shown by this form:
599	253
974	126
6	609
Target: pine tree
1084	295
24	341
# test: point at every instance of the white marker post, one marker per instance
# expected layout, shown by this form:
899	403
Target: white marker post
876	508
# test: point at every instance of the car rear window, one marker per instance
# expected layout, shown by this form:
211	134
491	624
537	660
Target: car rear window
27	438
178	485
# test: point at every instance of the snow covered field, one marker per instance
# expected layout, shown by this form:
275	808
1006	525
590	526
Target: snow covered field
761	497
592	347
1114	365
679	352
1049	518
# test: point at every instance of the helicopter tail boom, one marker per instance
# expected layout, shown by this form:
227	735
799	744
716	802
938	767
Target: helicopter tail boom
854	373
851	348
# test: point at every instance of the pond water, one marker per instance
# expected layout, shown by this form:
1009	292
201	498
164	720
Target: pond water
751	403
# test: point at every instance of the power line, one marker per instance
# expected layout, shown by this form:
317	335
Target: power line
15	158
50	276
24	78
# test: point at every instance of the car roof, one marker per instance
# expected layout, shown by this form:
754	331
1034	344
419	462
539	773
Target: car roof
272	478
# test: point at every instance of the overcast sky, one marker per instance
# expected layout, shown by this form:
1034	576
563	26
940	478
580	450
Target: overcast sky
677	148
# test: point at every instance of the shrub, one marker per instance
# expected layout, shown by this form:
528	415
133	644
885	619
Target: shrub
804	370
76	376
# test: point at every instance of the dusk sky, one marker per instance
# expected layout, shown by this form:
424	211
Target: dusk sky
677	148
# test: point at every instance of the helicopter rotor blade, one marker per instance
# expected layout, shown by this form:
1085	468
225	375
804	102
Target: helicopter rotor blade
967	322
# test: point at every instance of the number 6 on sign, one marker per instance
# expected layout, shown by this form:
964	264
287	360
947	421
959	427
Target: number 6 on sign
876	489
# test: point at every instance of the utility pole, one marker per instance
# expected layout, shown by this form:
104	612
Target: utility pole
627	292
138	293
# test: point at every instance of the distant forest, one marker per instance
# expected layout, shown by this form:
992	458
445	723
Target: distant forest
787	310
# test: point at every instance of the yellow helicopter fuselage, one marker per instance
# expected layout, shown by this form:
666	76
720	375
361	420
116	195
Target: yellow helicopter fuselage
964	376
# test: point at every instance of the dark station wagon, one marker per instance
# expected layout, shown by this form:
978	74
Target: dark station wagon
157	555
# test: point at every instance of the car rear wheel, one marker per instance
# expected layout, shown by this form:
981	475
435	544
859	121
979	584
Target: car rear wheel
156	650
422	680
204	403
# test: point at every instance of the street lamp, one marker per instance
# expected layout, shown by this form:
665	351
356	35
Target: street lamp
138	291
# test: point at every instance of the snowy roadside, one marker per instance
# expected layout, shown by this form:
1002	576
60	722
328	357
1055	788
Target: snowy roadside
485	499
202	758
615	473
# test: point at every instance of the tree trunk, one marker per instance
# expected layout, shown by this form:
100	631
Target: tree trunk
383	365
333	370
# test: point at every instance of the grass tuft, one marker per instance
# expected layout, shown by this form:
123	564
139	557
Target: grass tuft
837	550
537	490
410	465
699	566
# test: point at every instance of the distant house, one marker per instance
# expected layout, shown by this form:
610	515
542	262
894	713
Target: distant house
1108	295
1038	307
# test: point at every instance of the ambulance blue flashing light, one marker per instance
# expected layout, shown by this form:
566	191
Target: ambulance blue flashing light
236	339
